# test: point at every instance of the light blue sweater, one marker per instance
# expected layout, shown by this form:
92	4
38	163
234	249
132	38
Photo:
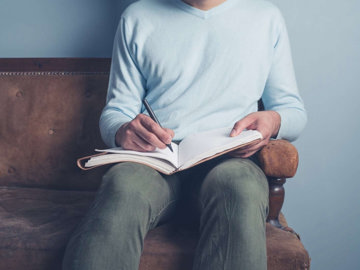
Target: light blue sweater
201	70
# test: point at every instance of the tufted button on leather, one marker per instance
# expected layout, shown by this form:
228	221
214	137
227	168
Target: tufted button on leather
19	93
51	131
11	170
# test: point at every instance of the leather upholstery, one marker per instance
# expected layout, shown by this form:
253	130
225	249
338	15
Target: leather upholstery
47	122
279	159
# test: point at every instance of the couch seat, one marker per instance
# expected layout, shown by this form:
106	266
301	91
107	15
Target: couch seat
35	225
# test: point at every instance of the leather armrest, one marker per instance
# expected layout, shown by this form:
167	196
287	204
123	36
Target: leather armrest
279	159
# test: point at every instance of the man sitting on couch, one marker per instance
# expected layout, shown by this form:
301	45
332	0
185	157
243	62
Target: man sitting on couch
201	64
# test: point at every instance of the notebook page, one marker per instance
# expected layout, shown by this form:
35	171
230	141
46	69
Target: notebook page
205	144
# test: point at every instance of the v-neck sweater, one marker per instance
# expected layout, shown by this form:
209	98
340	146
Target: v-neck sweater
201	69
205	13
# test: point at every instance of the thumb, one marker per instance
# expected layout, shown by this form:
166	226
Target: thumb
242	124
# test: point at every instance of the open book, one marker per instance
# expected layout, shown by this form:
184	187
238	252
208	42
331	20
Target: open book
192	150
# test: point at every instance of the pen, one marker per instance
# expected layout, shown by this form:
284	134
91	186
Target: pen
153	117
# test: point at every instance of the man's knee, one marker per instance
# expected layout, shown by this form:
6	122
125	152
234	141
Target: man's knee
128	179
238	180
137	189
126	185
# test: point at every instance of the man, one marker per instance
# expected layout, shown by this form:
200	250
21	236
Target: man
201	64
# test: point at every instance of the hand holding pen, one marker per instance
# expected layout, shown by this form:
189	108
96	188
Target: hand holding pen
144	134
153	117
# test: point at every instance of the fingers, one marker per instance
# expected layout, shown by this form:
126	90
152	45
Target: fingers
170	132
266	122
243	155
248	151
143	134
153	132
139	144
248	122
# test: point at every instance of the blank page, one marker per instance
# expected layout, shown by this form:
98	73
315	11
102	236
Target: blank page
205	144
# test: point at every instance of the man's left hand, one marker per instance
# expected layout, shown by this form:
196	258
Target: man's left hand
266	122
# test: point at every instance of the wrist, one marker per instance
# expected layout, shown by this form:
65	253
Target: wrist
276	123
119	134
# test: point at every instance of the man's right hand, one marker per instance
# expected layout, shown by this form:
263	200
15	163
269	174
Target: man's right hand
143	134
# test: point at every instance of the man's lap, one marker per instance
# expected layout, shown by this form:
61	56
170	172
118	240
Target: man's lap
179	194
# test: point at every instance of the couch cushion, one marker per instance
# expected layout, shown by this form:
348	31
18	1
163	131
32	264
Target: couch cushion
48	120
35	225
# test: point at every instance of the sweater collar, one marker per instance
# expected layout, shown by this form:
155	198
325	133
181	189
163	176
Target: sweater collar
204	14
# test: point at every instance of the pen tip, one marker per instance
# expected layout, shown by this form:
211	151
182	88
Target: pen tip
170	147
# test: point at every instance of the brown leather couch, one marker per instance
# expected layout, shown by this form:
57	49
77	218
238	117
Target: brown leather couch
49	111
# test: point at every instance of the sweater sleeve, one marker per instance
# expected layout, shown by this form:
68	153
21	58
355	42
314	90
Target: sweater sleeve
126	87
281	93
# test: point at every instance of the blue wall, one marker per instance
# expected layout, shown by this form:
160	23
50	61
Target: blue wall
67	28
322	201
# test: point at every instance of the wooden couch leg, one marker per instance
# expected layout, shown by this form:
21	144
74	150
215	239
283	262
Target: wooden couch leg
276	200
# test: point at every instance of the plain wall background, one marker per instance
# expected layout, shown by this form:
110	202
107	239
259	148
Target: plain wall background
322	202
66	28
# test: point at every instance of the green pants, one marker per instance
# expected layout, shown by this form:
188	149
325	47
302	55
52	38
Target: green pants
228	196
